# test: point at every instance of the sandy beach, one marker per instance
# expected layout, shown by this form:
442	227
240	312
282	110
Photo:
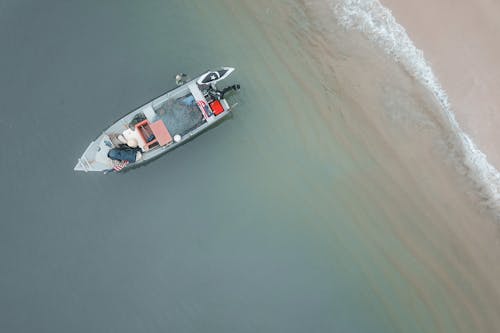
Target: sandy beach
461	40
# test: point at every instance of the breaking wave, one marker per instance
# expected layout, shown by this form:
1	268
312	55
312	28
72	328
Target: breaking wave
377	23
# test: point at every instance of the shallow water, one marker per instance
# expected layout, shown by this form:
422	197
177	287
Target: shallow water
299	213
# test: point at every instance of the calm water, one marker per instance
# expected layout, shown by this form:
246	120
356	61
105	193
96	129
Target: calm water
248	228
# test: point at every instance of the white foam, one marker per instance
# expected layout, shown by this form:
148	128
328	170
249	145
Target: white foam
379	26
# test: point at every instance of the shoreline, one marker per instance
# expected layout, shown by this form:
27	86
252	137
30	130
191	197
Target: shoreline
458	39
454	235
379	26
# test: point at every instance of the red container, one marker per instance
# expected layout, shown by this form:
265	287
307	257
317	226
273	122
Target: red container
216	107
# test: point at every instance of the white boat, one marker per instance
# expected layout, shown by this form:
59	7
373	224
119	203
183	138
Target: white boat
160	125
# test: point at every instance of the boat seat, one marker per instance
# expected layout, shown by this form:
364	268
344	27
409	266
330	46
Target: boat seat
161	133
150	113
157	130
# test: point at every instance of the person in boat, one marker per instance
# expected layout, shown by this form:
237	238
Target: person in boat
129	152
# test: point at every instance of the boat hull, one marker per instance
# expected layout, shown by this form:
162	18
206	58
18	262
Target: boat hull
186	111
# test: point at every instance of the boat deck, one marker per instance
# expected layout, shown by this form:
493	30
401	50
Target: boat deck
180	115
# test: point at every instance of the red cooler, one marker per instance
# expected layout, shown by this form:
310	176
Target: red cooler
216	107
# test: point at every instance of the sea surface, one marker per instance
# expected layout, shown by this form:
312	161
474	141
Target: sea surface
331	200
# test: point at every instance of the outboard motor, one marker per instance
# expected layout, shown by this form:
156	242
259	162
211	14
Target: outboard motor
234	87
219	94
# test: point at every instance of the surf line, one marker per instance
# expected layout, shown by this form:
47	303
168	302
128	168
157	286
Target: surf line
378	25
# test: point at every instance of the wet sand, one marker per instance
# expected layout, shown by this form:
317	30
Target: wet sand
390	126
461	40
